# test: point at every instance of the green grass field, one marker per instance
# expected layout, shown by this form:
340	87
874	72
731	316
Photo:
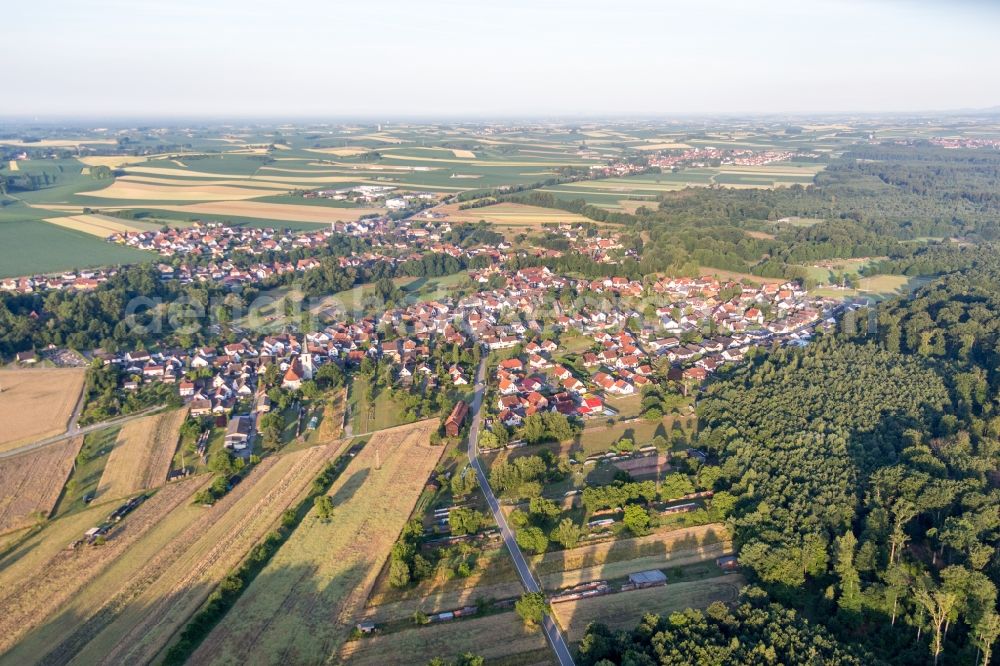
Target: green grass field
92	459
367	416
877	287
29	246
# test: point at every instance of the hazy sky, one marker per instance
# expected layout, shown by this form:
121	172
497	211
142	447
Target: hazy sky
405	58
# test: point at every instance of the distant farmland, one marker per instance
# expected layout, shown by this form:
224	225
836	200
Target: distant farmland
31	247
513	215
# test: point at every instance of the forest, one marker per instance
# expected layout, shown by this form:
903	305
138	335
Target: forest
865	471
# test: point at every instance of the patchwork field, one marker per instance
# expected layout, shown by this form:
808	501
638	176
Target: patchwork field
270	211
29	246
512	215
101	226
30	484
142	455
624	610
132	619
139	191
37	403
609	192
112	161
301	607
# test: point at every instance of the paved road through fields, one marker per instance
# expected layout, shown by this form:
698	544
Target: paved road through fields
75	430
552	632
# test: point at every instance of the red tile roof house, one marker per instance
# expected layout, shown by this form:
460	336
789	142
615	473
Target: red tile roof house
453	425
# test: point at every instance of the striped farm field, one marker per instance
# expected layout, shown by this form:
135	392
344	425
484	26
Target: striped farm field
624	610
512	215
30	484
29	601
187	182
662	146
496	163
346	151
142	455
269	211
132	619
302	605
134	191
37	403
57	143
101	226
112	161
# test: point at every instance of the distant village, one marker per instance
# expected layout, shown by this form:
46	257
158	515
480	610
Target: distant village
209	247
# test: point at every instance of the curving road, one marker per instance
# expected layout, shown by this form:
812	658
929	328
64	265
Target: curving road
552	632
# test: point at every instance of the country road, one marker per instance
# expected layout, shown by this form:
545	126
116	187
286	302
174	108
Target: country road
552	631
75	431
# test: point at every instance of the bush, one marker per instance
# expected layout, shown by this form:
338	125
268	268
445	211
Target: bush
531	608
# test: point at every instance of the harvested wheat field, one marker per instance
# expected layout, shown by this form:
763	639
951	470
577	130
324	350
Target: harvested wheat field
101	226
662	146
112	161
468	154
134	622
31	599
346	151
37	403
512	215
274	211
494	636
123	189
13	165
30	484
186	182
57	143
142	455
624	609
301	607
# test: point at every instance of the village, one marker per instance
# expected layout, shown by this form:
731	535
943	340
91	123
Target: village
619	349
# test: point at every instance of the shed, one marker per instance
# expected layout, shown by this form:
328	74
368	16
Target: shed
366	627
650	578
